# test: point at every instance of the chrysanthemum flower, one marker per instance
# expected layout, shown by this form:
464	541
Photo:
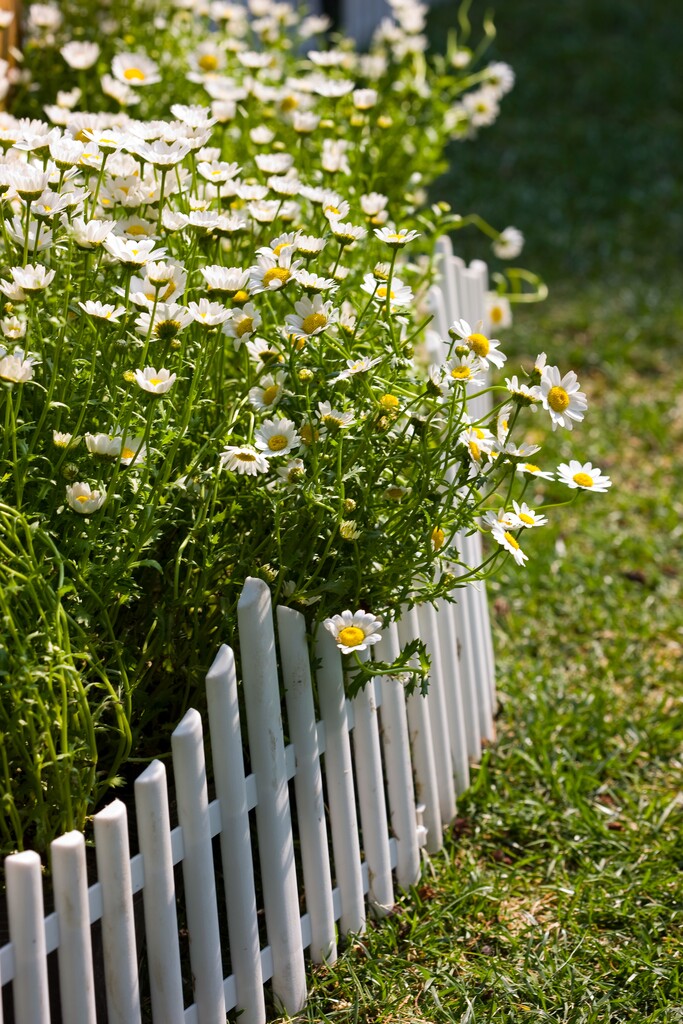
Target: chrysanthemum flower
16	368
530	469
562	397
486	349
103	311
267	393
243	323
583	476
507	540
527	517
277	437
312	316
156	382
394	238
83	499
354	631
243	459
509	244
135	69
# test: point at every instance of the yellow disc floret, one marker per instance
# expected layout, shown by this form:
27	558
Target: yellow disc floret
277	442
313	322
479	344
558	399
351	636
512	541
583	479
280	274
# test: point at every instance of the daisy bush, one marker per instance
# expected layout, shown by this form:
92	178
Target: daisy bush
216	362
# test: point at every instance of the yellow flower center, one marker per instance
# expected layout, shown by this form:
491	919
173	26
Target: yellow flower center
313	322
245	457
277	442
288	104
478	432
479	344
134	75
511	540
278	248
438	537
270	394
128	453
382	292
389	402
333	210
245	325
530	468
351	636
395	493
396	238
495	314
208	62
48	209
475	450
154	380
136	229
524	518
280	274
240	296
461	372
558	399
82	498
583	479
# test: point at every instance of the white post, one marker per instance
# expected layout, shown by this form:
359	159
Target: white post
464	629
76	982
189	770
436	702
450	666
373	808
308	784
27	934
419	727
339	777
118	917
273	819
475	596
161	922
396	747
238	865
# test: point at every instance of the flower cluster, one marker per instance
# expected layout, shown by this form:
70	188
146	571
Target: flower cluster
217	360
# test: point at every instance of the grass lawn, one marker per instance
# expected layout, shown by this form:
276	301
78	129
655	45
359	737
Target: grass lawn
560	894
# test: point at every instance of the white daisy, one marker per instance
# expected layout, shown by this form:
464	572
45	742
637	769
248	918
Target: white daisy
267	393
312	316
530	469
82	498
562	397
354	631
156	382
243	459
484	348
583	476
277	437
527	517
506	539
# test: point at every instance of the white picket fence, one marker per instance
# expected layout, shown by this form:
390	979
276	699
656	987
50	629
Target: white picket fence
374	778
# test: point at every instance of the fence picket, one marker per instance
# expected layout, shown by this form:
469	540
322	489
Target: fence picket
340	793
70	881
236	855
189	771
371	799
420	731
27	934
436	703
273	818
455	714
118	920
308	784
396	749
474	597
161	922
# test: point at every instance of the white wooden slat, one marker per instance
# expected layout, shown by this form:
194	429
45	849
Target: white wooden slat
70	882
161	922
236	855
340	791
199	882
419	728
273	817
1	983
371	798
465	630
27	934
489	662
308	784
436	702
437	306
118	918
396	750
475	599
455	714
452	268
